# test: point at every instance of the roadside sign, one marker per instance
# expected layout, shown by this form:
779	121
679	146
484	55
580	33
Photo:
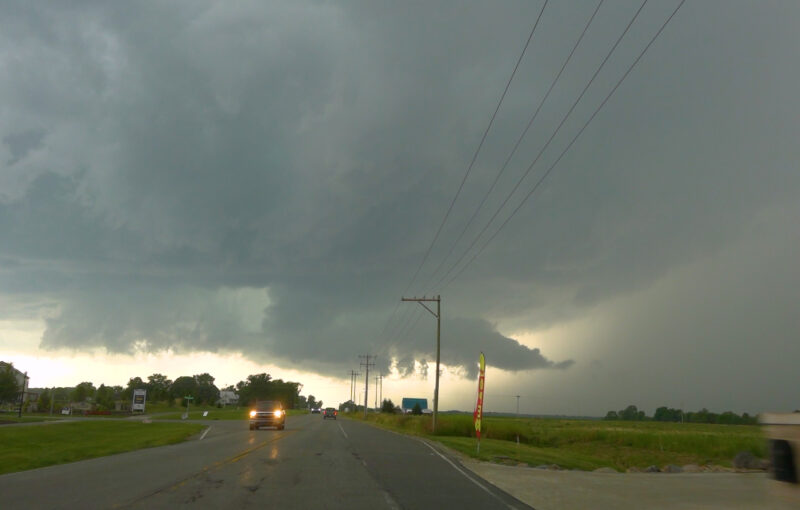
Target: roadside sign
478	414
139	397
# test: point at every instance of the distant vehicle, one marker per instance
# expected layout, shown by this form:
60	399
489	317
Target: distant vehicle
267	413
315	410
330	413
66	410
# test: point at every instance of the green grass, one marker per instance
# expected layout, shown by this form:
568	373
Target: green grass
586	444
23	448
27	418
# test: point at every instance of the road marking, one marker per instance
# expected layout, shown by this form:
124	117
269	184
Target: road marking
204	433
390	501
492	494
343	432
204	470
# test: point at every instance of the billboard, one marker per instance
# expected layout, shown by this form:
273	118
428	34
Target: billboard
408	404
139	397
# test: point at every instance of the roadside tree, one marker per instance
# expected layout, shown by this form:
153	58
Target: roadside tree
262	387
158	387
44	400
9	388
105	397
206	391
82	392
134	383
184	386
387	406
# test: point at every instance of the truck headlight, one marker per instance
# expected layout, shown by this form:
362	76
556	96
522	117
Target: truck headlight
278	413
252	414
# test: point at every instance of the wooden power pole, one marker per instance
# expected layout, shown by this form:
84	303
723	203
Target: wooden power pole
367	364
438	315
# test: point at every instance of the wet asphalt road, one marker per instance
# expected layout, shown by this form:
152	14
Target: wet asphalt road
313	463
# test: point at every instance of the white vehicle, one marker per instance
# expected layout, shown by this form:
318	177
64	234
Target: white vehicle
66	410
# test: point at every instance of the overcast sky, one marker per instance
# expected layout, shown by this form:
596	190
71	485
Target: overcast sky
246	186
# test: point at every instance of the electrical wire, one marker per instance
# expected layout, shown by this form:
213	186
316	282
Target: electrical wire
546	145
550	169
472	162
516	145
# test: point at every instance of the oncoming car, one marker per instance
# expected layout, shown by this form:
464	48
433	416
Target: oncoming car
267	413
329	413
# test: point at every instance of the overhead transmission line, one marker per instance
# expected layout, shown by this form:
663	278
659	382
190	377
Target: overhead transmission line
545	146
472	163
552	166
517	144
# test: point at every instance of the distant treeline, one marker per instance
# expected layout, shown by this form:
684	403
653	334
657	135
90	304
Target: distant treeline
200	388
631	413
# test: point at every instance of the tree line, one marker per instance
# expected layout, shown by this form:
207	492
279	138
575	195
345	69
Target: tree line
668	414
160	388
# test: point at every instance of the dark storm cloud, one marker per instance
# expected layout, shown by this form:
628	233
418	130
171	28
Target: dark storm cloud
265	178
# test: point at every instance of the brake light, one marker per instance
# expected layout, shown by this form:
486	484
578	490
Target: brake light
335	413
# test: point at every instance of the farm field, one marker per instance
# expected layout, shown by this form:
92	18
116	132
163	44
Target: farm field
34	447
585	444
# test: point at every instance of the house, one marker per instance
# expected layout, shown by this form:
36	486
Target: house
227	398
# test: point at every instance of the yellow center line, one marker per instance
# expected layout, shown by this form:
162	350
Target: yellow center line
212	467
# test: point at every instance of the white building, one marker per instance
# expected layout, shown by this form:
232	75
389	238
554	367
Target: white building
227	398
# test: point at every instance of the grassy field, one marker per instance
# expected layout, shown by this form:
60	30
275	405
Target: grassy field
586	444
23	448
26	418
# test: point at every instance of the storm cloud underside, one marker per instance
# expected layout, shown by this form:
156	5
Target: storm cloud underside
265	179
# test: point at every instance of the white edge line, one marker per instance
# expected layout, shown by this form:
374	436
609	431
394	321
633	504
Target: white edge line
340	428
492	494
204	433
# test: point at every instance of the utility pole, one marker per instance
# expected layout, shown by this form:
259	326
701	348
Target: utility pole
22	393
366	363
438	315
381	390
353	375
376	391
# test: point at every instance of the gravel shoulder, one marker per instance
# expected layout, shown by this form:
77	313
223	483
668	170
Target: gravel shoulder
572	490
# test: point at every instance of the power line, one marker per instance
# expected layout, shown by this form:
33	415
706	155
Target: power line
469	168
516	145
547	172
475	156
404	330
545	146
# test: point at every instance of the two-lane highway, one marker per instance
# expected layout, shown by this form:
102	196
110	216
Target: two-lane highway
313	463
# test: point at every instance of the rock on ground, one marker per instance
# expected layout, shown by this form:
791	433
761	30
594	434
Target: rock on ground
605	470
746	460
